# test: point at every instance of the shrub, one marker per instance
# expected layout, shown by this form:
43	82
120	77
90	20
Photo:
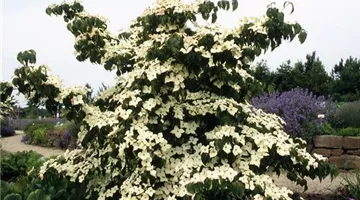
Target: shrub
299	109
52	186
16	164
7	131
39	136
349	131
347	115
36	132
29	129
313	129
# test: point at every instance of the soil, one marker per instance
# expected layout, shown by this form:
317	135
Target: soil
13	144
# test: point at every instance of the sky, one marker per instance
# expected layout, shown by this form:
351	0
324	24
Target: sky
332	26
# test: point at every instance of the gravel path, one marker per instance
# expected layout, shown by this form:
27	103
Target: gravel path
14	144
315	186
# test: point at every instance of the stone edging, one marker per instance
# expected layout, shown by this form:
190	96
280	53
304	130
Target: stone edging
342	151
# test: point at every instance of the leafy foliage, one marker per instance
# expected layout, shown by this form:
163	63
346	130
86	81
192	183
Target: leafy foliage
50	186
322	128
19	163
36	132
37	124
349	131
39	136
177	124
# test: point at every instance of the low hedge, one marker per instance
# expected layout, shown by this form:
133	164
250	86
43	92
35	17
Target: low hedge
349	131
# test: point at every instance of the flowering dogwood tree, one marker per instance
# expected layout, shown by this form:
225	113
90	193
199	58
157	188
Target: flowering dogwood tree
7	101
177	124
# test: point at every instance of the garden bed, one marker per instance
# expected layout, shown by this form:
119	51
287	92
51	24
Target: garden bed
63	136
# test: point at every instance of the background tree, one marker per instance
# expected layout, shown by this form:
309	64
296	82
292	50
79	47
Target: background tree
32	111
284	77
313	75
310	75
265	77
346	86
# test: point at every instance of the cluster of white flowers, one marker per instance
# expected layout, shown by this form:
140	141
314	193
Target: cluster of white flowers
178	5
77	93
6	107
53	80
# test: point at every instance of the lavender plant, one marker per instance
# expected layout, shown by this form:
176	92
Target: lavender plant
6	131
64	141
299	108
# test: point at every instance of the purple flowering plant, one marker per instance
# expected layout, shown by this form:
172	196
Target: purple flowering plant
25	138
64	141
7	131
298	108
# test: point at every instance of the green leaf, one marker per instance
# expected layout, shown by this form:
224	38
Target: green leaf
207	184
221	4
38	195
238	189
234	4
20	185
20	57
291	176
48	11
6	188
60	194
227	4
32	52
213	17
302	36
194	188
257	51
199	197
13	196
297	28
